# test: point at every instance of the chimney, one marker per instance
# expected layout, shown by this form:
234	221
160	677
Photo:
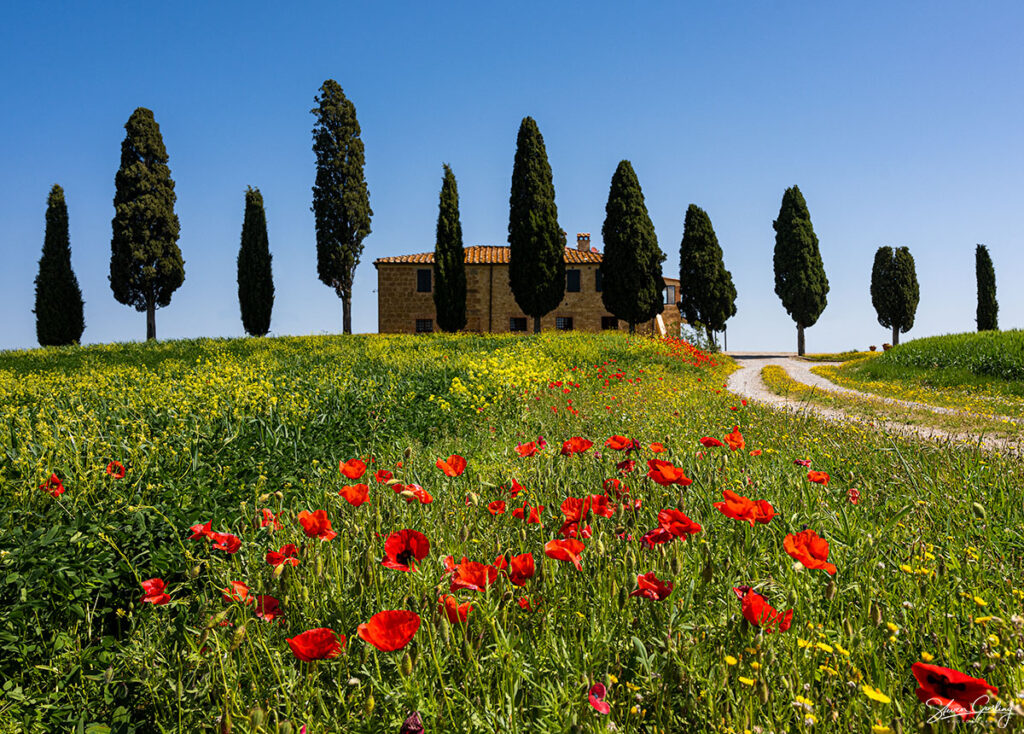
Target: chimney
583	241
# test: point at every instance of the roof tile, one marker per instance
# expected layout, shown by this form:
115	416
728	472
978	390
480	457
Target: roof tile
487	255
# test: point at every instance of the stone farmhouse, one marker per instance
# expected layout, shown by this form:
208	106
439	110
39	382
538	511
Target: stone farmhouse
405	302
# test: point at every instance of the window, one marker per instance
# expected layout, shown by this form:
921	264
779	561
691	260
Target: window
517	323
609	322
423	280
563	323
572	281
670	295
598	281
424	326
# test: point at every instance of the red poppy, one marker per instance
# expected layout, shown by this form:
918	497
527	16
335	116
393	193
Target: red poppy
521	568
226	542
596	698
353	468
650	586
575	509
735	439
355	494
621	443
454	611
267	608
600	505
284	557
759	612
116	469
155	593
403	548
575	445
614	486
565	550
390	630
755	452
678	524
809	549
201	531
453	467
53	485
818	477
413	492
382	476
853	495
516	488
527	449
739	507
534	514
317	644
950	689
316	524
665	474
802	462
237	591
524	603
473	576
710	443
270	519
497	507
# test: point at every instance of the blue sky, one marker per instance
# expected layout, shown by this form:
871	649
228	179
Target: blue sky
901	123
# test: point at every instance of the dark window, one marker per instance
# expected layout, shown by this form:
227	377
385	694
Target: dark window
598	281
563	323
609	322
423	280
572	281
670	295
517	323
424	326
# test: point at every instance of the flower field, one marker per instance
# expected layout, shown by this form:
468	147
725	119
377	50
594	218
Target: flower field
483	533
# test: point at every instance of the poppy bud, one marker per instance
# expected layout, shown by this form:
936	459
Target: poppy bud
830	590
408	452
264	497
464	533
279	494
278	570
979	510
708	573
285	727
368	705
600	547
305	594
196	570
791	598
256	718
319	566
848	629
942	567
876	613
236	640
108	675
216	619
762	692
225	723
446	634
406	667
474	499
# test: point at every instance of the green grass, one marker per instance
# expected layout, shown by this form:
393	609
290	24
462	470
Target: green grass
993	354
838	356
930	560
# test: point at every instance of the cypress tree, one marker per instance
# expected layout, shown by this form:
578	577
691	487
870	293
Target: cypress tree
449	259
255	277
631	266
894	290
988	309
707	295
536	271
800	280
341	201
145	263
59	317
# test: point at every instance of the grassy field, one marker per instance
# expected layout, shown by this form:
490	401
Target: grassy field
982	374
248	435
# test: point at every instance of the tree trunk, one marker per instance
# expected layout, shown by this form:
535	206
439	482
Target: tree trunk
536	324
800	339
150	321
346	313
895	335
632	328
711	336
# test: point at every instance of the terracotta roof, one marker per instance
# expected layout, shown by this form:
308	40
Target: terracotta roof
487	255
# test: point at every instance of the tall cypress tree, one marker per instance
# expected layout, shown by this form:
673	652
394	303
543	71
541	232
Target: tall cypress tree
536	271
59	317
707	295
631	266
988	308
255	277
800	280
894	289
449	259
146	266
341	201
